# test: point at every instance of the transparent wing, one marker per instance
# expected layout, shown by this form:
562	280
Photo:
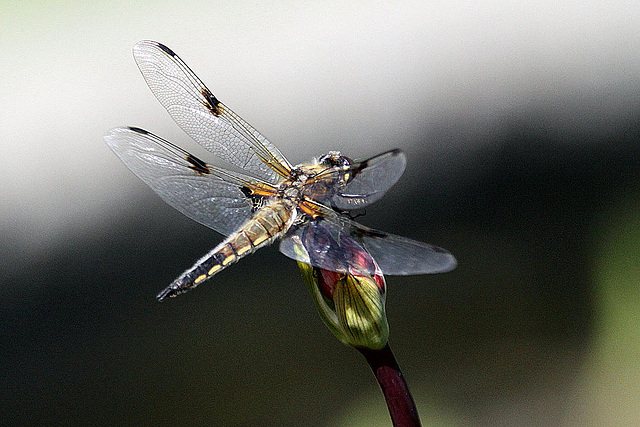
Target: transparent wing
367	181
333	242
203	117
206	194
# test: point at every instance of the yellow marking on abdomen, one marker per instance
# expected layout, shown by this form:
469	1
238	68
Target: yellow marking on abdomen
256	232
260	238
214	269
228	254
241	243
200	278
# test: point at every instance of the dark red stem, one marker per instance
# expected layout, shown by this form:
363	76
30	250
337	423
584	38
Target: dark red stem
401	406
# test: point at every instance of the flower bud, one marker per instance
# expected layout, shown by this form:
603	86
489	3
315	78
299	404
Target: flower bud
351	304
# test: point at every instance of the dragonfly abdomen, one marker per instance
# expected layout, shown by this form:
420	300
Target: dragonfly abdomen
267	224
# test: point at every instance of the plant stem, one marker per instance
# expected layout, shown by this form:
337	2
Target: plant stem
396	392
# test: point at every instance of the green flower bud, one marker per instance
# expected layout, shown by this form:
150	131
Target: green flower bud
351	305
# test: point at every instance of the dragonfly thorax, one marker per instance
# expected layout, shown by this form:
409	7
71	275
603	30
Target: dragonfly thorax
321	179
292	188
293	193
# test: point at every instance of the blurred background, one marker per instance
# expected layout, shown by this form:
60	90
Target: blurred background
520	121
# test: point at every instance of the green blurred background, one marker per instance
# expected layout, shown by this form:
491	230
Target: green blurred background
521	126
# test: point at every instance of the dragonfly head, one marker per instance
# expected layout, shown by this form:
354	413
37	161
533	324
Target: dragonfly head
334	158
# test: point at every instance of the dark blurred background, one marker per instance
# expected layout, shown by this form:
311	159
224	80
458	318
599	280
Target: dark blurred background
522	130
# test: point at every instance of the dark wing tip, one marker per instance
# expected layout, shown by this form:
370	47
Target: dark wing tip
396	152
165	49
137	130
145	43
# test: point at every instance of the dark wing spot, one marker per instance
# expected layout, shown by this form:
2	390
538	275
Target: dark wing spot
211	102
256	201
138	130
356	169
359	167
166	50
246	191
197	165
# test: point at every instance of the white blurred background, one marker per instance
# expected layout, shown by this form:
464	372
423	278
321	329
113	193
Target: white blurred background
313	76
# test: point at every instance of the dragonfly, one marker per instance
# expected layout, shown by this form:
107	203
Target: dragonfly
306	207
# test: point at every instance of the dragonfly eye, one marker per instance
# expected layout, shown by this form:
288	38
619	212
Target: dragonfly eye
334	158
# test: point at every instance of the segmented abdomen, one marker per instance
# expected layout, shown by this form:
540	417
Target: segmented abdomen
266	225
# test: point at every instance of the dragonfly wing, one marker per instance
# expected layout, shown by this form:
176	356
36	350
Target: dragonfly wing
366	181
203	117
204	193
332	242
